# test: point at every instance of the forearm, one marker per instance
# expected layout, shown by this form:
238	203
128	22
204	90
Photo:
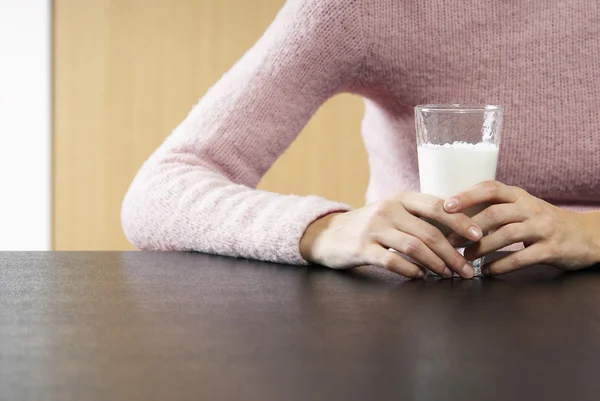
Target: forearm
179	207
196	192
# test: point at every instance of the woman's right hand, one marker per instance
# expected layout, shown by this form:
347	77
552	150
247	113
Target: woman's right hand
365	236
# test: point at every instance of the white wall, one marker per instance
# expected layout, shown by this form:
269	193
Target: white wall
25	131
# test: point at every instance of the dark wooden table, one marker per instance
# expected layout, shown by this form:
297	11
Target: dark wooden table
144	326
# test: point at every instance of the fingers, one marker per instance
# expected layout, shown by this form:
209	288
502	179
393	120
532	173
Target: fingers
433	239
507	235
393	262
530	256
491	219
486	192
415	249
496	216
433	208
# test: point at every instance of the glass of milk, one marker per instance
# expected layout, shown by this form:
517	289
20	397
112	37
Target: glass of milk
458	148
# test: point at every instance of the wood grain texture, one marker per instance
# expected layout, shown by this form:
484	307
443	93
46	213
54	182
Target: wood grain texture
126	72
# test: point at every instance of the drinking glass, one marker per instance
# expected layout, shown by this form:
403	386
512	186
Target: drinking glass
457	148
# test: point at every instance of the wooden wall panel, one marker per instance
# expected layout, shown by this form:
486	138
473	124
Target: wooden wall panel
126	72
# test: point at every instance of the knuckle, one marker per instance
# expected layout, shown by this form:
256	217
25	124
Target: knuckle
492	214
389	262
370	235
439	267
458	261
432	236
549	253
411	246
435	206
535	209
520	191
357	254
546	226
367	232
509	233
491	188
383	208
517	259
360	251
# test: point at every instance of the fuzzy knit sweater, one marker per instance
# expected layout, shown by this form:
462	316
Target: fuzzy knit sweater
540	59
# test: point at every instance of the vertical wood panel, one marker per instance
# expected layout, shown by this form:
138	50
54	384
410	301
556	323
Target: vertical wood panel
126	72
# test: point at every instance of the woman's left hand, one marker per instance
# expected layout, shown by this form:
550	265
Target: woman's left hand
552	236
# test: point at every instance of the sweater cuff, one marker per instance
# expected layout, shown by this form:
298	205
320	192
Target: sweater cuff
311	208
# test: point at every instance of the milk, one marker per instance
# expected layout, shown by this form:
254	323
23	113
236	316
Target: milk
446	170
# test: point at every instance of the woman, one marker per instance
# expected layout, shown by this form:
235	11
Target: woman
538	59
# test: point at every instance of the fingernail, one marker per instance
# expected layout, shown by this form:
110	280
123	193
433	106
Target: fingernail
468	271
448	273
451	204
421	274
475	233
485	271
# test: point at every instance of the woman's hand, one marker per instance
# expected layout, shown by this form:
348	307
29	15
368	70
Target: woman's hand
364	237
553	236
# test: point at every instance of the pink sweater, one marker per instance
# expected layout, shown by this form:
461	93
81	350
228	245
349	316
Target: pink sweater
540	59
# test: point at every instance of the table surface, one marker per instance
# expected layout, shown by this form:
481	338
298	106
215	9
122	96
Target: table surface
176	326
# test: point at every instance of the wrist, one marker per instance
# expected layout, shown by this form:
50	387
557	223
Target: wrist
591	225
312	235
595	232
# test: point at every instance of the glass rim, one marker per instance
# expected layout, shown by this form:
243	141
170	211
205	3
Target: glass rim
459	108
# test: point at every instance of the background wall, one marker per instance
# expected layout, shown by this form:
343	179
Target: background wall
25	151
126	72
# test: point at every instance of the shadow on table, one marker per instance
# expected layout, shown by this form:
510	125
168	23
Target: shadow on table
250	273
535	275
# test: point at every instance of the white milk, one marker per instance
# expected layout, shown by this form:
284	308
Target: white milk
446	170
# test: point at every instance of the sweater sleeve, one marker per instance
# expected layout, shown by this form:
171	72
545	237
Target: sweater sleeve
197	192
